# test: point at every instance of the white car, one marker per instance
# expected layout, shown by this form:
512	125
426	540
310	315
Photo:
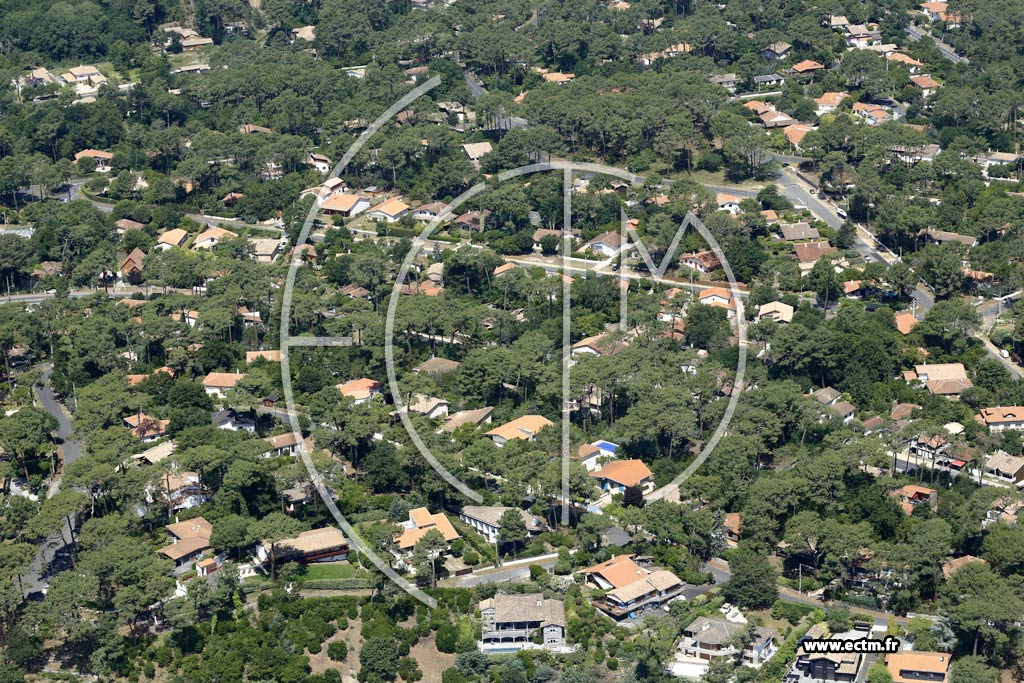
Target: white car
1004	353
841	213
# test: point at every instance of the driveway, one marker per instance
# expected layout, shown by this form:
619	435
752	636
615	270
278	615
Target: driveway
51	558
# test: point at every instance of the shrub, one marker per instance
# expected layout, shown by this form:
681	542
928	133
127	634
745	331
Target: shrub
409	670
453	675
839	619
791	612
338	650
612	663
471	558
447	638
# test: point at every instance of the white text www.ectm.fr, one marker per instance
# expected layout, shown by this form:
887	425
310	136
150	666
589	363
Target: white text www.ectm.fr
866	645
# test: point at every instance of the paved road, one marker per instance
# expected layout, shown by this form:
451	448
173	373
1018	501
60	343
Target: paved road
915	33
75	192
603	268
787	158
37	578
476	88
113	293
798	191
511	574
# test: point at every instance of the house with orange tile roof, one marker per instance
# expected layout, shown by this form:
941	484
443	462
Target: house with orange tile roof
718	297
912	495
796	133
420	522
525	427
171	238
728	202
807	67
905	322
360	390
758	107
913	66
926	84
939	11
733	522
940	379
830	101
189	540
1002	418
189	317
135	380
808	253
212	236
701	261
504	268
388	211
217	384
632	590
955	564
132	264
101	157
618	475
908	666
345	204
617	572
146	427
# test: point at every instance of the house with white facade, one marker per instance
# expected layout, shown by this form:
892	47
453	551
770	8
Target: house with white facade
510	621
486	519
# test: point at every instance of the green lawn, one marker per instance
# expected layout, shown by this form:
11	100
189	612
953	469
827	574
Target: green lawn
332	570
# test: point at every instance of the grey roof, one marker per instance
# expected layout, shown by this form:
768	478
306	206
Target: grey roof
474	417
712	631
526	607
798	231
490	514
436	365
617	536
767	78
1004	462
222	417
296	494
826	395
843	408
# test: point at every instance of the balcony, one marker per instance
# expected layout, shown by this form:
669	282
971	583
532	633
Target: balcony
506	634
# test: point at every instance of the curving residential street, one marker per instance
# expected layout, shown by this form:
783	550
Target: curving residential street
49	559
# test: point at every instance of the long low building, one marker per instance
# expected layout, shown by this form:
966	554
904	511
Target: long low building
486	519
1002	418
317	545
